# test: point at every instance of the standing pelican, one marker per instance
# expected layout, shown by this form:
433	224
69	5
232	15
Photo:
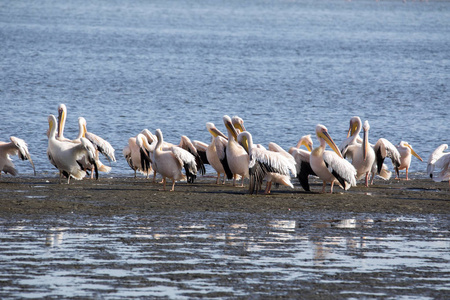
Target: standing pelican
136	159
278	177
15	147
170	162
439	159
383	149
237	157
66	156
331	166
216	153
362	155
405	151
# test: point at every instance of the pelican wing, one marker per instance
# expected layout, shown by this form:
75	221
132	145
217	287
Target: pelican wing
303	166
101	145
186	144
22	148
201	150
342	169
383	148
350	150
188	161
434	157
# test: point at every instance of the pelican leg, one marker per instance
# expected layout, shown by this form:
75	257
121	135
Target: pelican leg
218	178
234	179
407	174
154	176
242	182
223	181
367	179
268	187
323	187
372	177
331	188
164	183
135	175
173	185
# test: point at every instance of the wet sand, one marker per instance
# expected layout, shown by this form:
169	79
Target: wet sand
36	197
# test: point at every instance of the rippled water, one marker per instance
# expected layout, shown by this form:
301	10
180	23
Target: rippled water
283	66
224	255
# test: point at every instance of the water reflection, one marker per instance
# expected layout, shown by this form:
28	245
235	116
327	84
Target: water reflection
183	256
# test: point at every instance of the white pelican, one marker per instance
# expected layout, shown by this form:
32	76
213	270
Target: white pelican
136	159
237	157
441	160
301	158
277	177
15	147
66	156
405	151
265	164
362	155
216	153
170	162
331	166
383	148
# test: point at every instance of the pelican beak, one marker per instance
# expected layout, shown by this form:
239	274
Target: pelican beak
84	130
365	144
216	132
349	133
330	142
231	128
245	144
240	126
307	146
414	153
61	118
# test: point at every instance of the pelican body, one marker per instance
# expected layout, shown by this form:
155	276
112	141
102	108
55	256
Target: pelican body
15	147
216	153
406	152
439	159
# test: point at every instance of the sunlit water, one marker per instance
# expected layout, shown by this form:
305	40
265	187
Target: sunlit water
230	254
283	66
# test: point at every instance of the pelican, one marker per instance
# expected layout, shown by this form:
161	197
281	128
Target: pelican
331	166
301	158
383	149
65	156
439	159
288	160
237	157
170	162
133	153
15	147
216	153
405	151
362	155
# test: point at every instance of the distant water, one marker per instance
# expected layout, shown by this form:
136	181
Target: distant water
283	66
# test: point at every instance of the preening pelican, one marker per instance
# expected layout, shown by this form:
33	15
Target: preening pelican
137	156
237	157
278	177
331	166
170	162
405	151
66	156
265	164
15	147
439	159
362	155
216	153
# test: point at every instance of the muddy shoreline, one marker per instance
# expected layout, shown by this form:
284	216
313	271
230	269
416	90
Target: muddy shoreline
123	196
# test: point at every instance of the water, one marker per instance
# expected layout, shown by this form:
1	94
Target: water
283	66
227	254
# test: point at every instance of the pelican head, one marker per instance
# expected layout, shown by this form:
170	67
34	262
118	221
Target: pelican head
406	144
214	131
365	145
306	141
229	126
238	123
245	139
82	123
355	126
323	136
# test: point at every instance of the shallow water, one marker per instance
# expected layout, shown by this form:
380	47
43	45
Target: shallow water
283	66
226	254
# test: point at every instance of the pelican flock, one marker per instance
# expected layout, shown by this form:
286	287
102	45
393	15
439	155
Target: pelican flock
233	156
